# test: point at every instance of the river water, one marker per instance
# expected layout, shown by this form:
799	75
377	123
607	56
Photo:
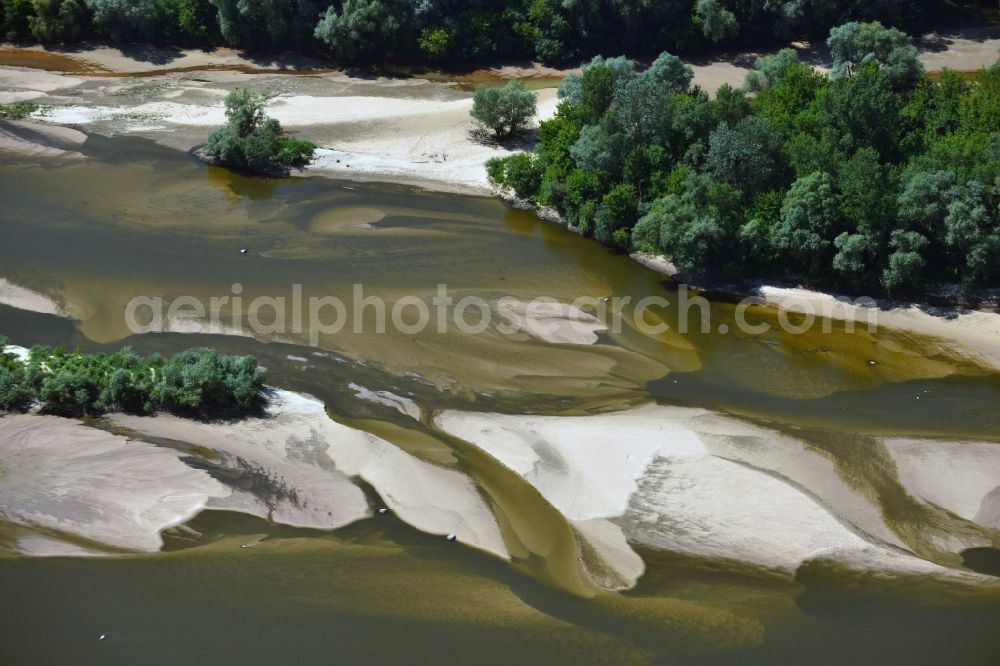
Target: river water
135	220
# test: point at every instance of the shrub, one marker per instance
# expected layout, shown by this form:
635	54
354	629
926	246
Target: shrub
504	111
17	110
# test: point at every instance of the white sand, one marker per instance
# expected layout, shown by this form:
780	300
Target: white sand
299	448
381	138
689	481
977	333
59	475
404	406
549	321
21	353
33	139
26	299
961	477
14	78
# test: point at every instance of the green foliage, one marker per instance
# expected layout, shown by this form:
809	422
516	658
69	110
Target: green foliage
435	42
17	110
768	70
71	383
747	156
810	217
717	22
361	27
855	180
294	152
250	139
263	23
618	212
905	267
854	44
125	20
504	111
56	20
521	172
861	111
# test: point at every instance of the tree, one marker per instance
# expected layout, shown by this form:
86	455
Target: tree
260	23
521	172
435	42
56	20
504	111
973	235
861	111
250	139
717	22
853	44
670	72
590	94
124	20
923	203
617	212
789	102
810	219
906	264
770	69
980	111
854	252
867	194
747	156
361	27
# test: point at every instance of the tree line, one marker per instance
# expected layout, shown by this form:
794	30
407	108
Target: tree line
876	174
454	30
195	381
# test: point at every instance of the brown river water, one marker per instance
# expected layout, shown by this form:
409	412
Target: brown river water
135	219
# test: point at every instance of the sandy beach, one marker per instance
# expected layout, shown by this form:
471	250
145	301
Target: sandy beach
972	334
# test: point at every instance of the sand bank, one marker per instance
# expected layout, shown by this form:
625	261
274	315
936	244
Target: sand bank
61	476
26	299
33	139
296	466
404	406
694	482
550	321
960	477
977	333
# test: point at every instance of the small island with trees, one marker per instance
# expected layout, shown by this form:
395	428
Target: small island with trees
195	382
251	141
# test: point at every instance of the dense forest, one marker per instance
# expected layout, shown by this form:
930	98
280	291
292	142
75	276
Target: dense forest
196	381
453	30
874	174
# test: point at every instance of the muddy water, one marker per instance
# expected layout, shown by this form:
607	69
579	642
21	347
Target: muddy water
138	220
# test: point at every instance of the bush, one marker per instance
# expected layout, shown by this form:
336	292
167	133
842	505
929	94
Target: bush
294	152
17	110
504	111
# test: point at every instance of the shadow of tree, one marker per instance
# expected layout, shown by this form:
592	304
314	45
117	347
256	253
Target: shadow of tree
526	140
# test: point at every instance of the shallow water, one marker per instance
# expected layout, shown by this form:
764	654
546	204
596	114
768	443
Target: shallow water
140	220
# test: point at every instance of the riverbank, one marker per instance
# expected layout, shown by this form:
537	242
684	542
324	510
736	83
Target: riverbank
368	126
